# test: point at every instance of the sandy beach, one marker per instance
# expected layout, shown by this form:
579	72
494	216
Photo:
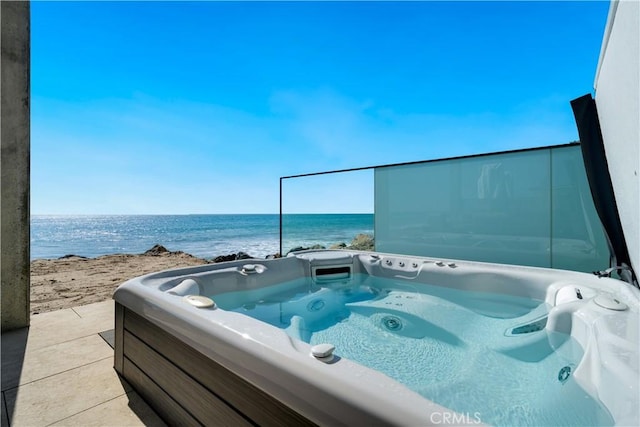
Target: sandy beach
72	280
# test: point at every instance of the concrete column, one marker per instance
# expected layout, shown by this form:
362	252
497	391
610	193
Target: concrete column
15	91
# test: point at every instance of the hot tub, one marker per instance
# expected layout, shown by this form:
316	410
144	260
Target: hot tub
359	338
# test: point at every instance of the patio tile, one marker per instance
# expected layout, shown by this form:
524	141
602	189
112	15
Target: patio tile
56	327
57	317
126	410
101	313
63	395
13	347
44	362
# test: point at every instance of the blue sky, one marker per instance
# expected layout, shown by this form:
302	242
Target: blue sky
177	108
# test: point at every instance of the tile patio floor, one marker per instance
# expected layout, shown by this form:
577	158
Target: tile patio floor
59	371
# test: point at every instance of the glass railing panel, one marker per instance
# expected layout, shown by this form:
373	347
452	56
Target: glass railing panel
328	211
530	207
493	208
578	240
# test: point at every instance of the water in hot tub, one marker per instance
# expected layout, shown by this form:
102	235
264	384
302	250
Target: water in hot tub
484	355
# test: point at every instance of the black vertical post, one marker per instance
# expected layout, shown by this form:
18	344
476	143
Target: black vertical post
596	166
281	216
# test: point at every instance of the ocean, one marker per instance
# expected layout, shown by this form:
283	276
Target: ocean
206	236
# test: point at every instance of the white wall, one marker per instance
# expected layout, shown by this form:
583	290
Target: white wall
618	102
